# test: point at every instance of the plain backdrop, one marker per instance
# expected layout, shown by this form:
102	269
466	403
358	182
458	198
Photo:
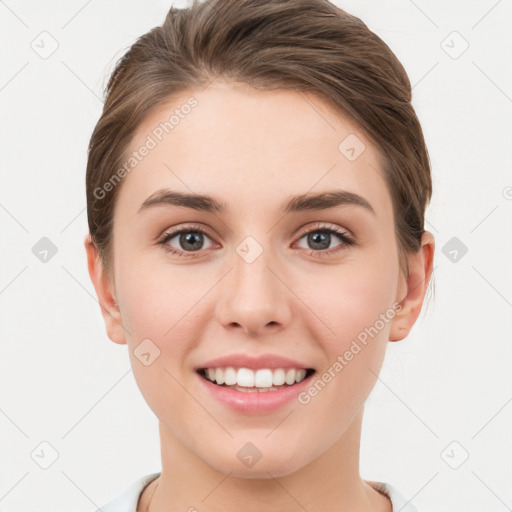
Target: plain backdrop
438	422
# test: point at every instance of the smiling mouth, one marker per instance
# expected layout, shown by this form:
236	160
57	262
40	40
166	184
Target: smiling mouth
261	380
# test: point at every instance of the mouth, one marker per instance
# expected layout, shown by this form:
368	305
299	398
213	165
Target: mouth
260	380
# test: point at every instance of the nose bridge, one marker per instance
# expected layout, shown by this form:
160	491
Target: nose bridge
252	279
252	296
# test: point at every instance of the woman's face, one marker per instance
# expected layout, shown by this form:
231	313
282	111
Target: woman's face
246	282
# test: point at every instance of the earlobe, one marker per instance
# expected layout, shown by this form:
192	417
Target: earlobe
103	286
420	272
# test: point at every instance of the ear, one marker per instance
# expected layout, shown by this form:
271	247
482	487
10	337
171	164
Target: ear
420	271
105	291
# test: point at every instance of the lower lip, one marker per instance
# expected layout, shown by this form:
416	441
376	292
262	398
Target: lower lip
255	402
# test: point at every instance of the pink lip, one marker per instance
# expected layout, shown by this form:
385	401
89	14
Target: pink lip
254	402
254	363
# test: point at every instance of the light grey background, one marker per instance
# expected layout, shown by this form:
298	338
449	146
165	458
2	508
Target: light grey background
63	382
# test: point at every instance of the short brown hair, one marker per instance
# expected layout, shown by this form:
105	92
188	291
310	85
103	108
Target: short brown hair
303	45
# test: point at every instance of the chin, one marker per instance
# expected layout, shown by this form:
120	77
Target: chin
267	466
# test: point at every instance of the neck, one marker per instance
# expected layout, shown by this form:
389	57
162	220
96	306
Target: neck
331	482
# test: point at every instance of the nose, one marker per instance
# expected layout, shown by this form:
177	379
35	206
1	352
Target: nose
254	296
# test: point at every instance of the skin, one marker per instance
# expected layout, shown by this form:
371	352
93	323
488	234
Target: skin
253	149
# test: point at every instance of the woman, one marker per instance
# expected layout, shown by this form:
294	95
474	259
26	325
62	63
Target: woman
256	190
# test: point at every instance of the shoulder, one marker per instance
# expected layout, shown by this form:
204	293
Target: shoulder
128	499
397	500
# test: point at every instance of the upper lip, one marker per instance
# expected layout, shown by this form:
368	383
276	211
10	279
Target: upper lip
247	361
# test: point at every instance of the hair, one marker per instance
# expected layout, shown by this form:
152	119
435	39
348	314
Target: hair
303	45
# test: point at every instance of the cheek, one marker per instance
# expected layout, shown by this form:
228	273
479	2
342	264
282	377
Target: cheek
161	301
351	299
356	304
166	310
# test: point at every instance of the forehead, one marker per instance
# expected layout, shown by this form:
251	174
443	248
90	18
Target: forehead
251	149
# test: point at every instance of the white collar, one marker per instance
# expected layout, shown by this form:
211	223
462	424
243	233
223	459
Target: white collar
127	501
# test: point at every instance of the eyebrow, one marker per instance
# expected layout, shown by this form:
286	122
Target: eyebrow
298	203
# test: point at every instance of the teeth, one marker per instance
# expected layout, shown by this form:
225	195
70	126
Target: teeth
290	377
263	378
219	376
278	377
244	377
230	376
301	375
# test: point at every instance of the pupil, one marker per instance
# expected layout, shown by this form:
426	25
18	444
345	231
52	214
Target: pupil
321	238
193	238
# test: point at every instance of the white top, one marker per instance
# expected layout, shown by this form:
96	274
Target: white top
127	501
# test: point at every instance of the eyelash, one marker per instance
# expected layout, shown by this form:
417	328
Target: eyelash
347	240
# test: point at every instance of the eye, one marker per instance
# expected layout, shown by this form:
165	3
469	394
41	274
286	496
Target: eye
189	240
320	238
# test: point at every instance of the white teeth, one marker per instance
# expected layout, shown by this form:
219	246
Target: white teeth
219	376
278	377
301	374
230	376
263	378
244	377
290	377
